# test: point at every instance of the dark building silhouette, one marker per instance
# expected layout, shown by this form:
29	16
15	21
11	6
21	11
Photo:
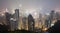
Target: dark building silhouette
8	16
31	23
17	13
10	22
16	17
55	28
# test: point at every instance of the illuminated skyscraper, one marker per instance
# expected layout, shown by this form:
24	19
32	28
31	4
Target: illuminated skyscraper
24	22
52	17
40	20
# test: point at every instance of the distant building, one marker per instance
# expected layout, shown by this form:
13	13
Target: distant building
31	23
16	16
51	17
40	20
13	24
58	15
12	20
47	22
8	16
3	19
24	22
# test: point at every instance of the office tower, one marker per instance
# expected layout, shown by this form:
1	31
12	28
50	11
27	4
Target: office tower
52	16
13	24
10	21
40	20
20	23
2	19
16	16
17	13
47	22
8	16
24	22
31	23
14	19
58	15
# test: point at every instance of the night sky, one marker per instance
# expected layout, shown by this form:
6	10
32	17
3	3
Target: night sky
44	5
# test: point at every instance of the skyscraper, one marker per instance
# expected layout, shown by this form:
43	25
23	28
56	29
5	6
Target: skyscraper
52	16
47	22
14	20
8	16
17	13
16	16
40	20
24	22
57	15
31	23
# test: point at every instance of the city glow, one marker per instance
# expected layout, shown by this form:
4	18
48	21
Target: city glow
2	14
35	13
45	29
47	14
11	19
6	10
29	15
27	12
52	25
13	11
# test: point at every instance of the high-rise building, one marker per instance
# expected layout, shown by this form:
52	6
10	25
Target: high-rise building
31	23
24	22
52	17
47	22
3	19
16	16
14	20
20	23
8	16
40	20
13	24
58	15
52	14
